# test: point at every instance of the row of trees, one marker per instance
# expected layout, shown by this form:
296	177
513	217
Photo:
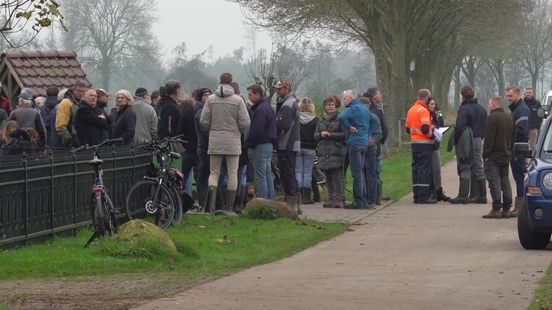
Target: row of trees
426	43
407	44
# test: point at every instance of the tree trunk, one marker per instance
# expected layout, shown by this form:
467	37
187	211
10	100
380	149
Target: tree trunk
106	73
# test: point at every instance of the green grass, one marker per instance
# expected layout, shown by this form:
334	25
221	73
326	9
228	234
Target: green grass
543	294
208	246
396	173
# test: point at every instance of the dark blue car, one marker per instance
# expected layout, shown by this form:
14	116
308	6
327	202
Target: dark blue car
535	216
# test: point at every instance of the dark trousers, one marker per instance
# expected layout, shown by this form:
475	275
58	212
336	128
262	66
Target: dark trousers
334	182
421	168
189	161
370	175
499	184
357	157
204	169
286	165
518	171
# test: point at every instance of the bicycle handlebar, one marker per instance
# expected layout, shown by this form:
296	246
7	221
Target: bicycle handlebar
88	147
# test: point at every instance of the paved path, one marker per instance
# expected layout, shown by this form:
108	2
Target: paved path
403	256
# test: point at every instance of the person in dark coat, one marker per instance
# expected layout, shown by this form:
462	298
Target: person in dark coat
437	122
90	122
202	145
125	123
305	157
262	136
520	115
535	116
473	115
170	114
331	150
497	153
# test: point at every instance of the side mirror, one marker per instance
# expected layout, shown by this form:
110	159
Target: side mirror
546	108
521	149
540	113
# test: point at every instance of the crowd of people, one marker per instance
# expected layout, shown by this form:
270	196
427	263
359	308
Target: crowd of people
483	143
226	133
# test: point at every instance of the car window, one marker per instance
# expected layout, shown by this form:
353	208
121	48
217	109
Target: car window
547	145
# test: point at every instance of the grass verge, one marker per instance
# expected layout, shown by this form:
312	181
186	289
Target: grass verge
207	246
543	294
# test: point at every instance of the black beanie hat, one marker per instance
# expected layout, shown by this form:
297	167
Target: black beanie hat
140	92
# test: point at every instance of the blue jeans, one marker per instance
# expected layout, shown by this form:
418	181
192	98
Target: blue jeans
223	179
189	161
370	175
261	159
303	167
357	156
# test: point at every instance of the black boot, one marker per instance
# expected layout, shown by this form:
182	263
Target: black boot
441	195
211	200
240	197
482	185
227	208
307	196
202	198
463	192
474	190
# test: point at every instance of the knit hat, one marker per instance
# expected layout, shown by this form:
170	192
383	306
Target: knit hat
26	94
140	92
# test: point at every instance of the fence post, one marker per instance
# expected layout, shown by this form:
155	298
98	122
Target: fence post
75	194
400	134
26	196
52	216
133	151
114	189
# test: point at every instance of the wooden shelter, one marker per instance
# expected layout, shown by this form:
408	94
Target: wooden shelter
38	71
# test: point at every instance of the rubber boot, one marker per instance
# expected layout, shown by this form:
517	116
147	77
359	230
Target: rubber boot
474	190
482	199
441	195
463	192
211	199
306	196
378	194
227	208
517	205
202	199
298	202
240	197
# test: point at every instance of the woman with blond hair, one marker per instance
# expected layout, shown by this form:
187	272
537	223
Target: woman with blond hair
305	156
125	120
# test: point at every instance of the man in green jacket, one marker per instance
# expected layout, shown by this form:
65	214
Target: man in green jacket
497	153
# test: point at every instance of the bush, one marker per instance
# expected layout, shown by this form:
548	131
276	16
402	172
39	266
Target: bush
261	212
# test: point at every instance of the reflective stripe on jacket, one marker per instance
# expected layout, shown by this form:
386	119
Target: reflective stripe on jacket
418	116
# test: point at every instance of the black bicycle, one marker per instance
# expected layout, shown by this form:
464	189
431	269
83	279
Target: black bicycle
103	211
161	194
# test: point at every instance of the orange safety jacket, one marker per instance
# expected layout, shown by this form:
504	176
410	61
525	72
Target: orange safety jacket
418	116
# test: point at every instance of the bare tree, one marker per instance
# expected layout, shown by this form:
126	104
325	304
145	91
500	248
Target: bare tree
20	15
282	63
111	34
535	44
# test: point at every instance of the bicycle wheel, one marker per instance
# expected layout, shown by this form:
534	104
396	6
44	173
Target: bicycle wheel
110	220
140	203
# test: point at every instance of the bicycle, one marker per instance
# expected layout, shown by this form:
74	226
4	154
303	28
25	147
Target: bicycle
161	195
103	211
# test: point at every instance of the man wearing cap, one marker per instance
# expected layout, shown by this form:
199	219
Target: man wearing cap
146	118
26	116
288	140
65	115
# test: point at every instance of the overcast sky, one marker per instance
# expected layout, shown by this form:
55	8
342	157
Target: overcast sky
202	23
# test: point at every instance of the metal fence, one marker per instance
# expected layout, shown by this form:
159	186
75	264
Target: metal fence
50	192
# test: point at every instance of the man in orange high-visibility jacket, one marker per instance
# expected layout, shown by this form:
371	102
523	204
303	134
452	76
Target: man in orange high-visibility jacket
418	126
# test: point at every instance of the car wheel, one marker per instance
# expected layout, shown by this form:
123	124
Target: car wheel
528	238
